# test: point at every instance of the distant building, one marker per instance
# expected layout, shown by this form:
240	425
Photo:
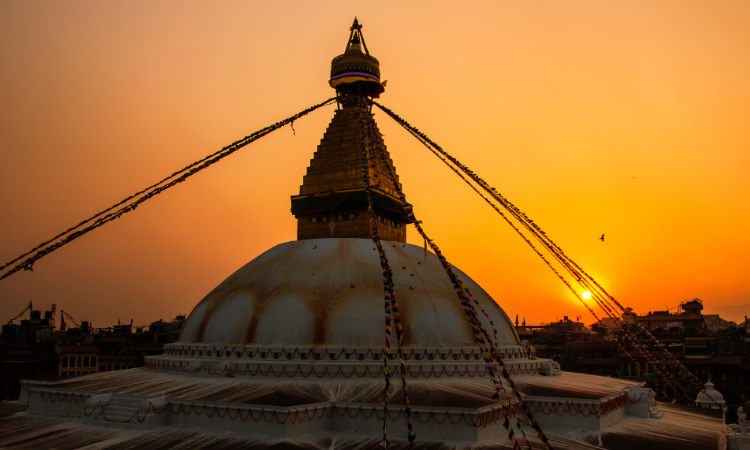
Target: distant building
714	323
565	327
117	351
600	358
34	349
524	334
79	359
607	322
27	350
689	316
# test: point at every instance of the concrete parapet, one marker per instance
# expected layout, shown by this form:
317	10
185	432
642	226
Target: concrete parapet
642	404
472	424
57	402
135	412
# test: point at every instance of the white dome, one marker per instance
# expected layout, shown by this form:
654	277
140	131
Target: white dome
329	293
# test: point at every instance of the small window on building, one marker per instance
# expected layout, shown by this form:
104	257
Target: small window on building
79	362
65	361
85	361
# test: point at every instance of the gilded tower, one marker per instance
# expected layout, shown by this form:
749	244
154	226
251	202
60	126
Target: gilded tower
332	201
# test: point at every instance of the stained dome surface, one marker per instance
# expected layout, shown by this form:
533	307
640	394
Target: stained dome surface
329	293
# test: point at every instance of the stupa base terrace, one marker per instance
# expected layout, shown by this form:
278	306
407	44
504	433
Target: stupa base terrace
148	408
287	353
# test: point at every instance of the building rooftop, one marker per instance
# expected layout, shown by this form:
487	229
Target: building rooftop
85	348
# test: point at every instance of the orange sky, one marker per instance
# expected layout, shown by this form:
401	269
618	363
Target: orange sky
559	105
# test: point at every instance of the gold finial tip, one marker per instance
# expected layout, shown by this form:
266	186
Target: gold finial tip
356	68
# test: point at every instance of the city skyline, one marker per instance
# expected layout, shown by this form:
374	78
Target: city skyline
623	120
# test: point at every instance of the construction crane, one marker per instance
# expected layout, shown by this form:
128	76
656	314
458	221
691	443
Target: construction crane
63	315
28	307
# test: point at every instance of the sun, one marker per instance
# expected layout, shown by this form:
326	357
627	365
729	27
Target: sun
586	295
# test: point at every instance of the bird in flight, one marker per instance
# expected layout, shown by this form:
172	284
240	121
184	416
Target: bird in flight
602	238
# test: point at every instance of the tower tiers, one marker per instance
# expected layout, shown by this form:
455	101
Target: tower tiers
332	200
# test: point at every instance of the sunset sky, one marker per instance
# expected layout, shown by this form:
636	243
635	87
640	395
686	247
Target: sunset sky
629	118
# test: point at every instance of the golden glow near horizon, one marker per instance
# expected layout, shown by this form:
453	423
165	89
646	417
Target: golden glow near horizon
586	295
635	112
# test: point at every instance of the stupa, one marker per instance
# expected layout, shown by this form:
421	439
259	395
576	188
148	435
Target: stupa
287	352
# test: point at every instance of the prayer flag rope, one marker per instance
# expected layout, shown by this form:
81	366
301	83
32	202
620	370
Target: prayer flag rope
391	305
599	294
520	233
113	212
656	364
490	352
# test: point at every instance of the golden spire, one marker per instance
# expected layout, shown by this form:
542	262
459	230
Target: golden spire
354	71
332	200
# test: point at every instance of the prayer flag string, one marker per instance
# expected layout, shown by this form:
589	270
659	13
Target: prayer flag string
391	305
520	233
599	294
113	212
490	352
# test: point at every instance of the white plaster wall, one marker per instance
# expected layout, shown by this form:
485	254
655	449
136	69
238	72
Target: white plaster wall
329	293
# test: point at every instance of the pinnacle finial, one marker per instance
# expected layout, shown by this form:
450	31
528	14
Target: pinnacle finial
354	67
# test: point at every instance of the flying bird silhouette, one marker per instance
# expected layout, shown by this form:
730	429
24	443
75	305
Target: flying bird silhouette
602	238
